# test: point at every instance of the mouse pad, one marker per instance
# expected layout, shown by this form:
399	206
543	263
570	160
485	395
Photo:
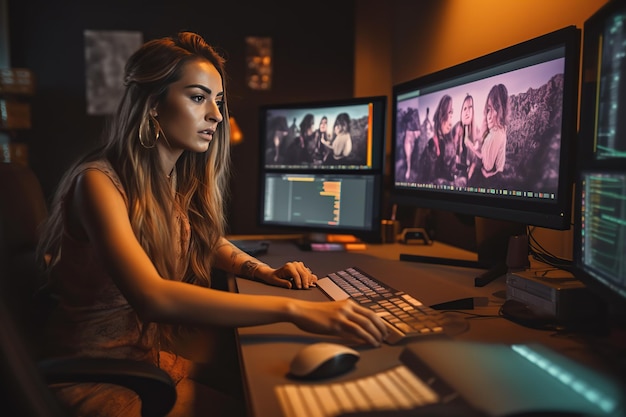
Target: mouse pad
504	379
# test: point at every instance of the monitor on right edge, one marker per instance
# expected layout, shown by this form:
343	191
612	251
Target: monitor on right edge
600	197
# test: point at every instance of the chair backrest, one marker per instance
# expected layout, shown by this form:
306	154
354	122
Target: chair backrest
22	205
24	392
23	209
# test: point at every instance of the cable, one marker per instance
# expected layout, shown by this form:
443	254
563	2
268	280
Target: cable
539	253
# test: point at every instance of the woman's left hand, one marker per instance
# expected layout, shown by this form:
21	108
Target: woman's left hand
291	275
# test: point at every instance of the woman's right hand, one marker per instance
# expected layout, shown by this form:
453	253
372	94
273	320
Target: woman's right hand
340	318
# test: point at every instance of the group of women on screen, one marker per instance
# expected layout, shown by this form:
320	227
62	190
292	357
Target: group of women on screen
460	154
309	145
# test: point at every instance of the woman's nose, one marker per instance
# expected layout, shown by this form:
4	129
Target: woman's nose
214	113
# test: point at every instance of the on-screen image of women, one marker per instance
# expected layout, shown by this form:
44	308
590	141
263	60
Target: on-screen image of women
467	161
299	151
492	154
341	143
432	165
320	152
410	129
277	132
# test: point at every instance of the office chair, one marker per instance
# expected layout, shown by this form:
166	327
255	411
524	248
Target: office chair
25	378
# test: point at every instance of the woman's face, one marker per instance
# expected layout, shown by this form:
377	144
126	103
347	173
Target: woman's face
323	125
467	112
490	114
191	111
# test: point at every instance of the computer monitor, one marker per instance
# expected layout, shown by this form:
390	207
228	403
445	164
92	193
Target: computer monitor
492	137
600	197
322	166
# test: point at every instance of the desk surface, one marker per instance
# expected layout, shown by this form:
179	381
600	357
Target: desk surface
265	351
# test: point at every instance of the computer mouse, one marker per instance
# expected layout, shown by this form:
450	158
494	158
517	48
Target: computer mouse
323	360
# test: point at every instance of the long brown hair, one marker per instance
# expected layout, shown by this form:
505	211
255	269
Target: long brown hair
202	178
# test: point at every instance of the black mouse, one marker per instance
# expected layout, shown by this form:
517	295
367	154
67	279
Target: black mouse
323	360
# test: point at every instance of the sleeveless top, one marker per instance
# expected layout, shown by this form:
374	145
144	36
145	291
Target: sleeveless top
92	317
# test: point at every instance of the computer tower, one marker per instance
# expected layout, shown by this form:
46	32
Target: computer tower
561	297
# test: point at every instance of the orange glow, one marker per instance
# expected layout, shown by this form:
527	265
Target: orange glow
236	136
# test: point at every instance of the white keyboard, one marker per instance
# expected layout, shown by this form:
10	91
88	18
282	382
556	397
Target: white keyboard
395	389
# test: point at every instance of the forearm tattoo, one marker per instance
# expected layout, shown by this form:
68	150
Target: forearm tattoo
248	268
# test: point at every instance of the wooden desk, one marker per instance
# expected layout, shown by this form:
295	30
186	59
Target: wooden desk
265	351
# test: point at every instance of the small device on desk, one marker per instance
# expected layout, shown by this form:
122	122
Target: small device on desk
415	235
558	298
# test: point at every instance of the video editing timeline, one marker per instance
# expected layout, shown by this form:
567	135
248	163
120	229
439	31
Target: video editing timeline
482	190
328	206
333	200
611	131
604	227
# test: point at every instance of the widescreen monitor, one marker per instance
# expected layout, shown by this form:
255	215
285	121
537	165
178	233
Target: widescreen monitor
600	217
492	137
322	166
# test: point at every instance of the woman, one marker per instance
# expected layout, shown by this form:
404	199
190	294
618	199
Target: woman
431	160
138	224
341	144
467	160
411	128
320	152
300	149
492	153
276	132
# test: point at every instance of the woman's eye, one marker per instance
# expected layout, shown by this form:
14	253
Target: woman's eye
220	105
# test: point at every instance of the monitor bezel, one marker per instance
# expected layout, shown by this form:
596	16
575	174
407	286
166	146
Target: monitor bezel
554	215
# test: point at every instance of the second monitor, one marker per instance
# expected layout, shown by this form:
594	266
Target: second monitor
322	167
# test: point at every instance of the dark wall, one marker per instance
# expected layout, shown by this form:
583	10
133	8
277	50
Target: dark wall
313	59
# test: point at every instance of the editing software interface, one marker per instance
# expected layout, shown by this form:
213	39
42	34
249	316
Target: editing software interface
610	137
603	228
317	199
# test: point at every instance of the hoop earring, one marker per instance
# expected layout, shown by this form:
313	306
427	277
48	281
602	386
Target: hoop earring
149	126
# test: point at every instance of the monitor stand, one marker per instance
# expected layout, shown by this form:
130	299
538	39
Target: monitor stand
492	242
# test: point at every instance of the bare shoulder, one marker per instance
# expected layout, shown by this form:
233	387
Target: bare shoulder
95	197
